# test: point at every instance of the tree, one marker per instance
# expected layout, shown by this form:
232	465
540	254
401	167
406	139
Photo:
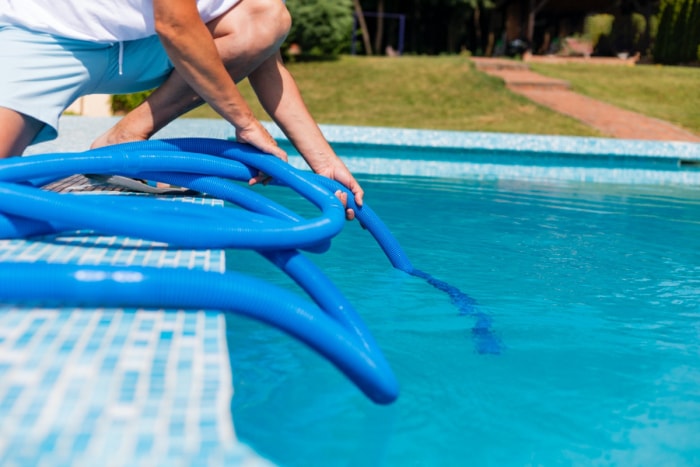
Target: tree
678	37
379	34
363	26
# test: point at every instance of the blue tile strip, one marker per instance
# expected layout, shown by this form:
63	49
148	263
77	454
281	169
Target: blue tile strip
115	386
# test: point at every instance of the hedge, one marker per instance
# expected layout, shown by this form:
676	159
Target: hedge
678	38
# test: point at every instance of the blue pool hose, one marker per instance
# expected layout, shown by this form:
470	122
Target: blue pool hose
330	325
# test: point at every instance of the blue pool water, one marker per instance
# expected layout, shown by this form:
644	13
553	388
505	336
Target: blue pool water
593	290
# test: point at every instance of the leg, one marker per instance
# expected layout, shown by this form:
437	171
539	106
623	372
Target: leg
245	37
41	75
16	132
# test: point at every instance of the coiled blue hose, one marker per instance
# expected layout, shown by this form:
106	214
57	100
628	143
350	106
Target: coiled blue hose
330	325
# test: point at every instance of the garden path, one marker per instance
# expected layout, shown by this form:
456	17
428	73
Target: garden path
557	95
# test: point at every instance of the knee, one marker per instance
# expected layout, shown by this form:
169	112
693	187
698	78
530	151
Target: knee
274	19
259	24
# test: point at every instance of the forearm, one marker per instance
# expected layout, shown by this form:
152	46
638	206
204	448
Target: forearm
279	95
192	50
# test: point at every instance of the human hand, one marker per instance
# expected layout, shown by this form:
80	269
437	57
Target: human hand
336	170
256	135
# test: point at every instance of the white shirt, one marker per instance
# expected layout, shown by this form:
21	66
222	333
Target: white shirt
95	20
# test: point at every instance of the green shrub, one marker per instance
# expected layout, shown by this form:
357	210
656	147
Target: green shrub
596	26
320	28
610	35
639	25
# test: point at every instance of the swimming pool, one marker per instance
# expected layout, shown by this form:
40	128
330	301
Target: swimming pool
593	290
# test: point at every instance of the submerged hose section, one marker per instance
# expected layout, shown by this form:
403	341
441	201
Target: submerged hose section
485	339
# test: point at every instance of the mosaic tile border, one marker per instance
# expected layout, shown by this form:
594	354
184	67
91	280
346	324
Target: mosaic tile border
480	155
77	132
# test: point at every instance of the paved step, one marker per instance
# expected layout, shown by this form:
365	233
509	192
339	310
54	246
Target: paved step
485	63
526	79
517	74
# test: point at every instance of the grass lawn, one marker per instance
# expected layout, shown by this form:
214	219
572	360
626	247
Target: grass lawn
444	93
665	92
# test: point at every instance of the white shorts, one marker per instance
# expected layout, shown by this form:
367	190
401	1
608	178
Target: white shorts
41	75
